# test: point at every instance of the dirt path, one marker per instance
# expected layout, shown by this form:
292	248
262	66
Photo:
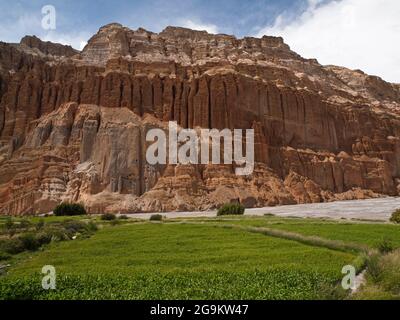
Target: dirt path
371	209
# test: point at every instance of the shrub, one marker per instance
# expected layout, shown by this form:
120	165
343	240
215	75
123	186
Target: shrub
385	246
24	224
374	267
231	209
156	217
115	222
9	224
269	215
330	291
91	226
108	217
51	231
10	227
43	238
40	225
395	216
29	242
12	246
390	277
57	234
69	209
4	256
68	229
123	217
73	227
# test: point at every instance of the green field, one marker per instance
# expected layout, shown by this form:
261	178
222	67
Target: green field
370	234
196	259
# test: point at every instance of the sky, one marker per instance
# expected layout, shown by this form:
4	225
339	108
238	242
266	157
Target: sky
358	34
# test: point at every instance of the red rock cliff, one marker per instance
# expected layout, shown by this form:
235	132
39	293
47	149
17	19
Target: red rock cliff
73	125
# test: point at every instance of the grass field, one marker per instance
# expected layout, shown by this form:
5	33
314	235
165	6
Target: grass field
371	234
196	259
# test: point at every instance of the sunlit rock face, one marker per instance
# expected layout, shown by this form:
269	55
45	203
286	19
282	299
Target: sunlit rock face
73	124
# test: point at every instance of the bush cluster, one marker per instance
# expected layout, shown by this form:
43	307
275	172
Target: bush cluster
70	209
41	234
385	246
108	217
231	209
156	217
395	216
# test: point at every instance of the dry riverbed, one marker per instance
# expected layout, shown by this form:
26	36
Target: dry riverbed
372	209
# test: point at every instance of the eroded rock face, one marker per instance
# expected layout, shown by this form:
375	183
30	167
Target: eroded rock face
46	47
73	125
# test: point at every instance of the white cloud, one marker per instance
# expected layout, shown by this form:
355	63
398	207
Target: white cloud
210	28
31	25
358	34
12	29
76	40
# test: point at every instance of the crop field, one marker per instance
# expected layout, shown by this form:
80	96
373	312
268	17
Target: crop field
194	259
370	234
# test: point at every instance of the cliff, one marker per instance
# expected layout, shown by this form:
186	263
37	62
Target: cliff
73	124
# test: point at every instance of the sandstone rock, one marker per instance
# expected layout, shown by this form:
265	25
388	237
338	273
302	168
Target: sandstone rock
73	125
47	48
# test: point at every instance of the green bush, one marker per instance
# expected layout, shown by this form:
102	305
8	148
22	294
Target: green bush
156	217
269	215
12	246
29	242
231	209
385	246
390	278
395	216
9	224
123	217
10	227
40	225
24	224
57	233
108	217
115	222
44	234
70	209
92	227
43	238
374	267
73	227
4	256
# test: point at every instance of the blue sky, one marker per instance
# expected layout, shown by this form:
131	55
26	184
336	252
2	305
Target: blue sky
359	34
84	17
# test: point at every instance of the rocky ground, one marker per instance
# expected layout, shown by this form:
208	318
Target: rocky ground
73	124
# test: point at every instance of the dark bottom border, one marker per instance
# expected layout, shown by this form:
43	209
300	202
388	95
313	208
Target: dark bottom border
200	309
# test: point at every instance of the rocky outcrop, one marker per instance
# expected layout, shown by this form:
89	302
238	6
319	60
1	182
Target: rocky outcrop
46	47
73	125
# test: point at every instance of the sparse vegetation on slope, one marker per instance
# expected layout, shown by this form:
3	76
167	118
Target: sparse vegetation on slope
19	236
383	277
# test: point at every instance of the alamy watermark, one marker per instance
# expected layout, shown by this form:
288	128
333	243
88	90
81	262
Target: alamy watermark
189	146
49	280
49	19
349	280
